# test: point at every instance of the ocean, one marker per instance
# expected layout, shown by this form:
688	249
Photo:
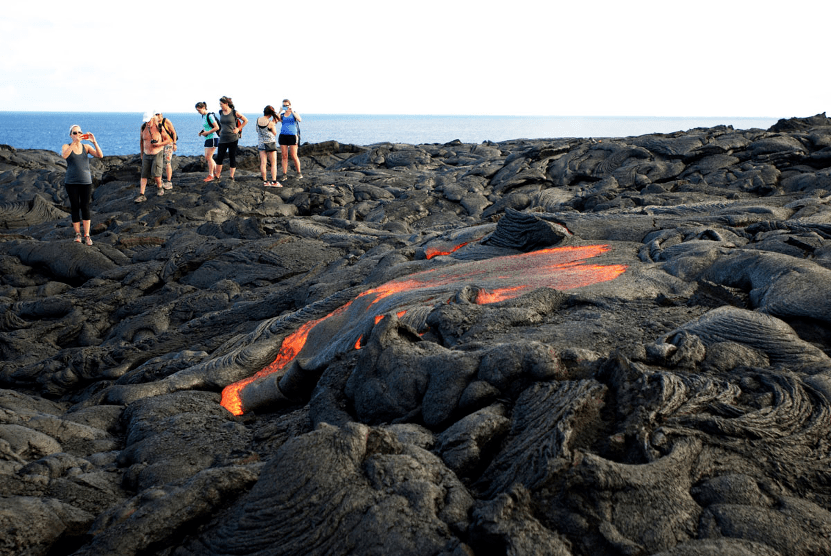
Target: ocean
118	132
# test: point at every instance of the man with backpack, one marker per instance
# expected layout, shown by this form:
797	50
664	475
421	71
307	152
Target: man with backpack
166	128
152	147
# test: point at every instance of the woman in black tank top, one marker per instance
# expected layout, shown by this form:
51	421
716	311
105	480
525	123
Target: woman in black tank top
78	180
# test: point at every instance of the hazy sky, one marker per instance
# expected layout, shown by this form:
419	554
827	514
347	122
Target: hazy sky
516	57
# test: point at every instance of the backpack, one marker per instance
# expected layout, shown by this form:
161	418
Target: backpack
236	117
239	124
212	116
164	127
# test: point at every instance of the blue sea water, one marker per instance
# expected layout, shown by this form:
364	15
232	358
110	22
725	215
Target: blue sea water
118	132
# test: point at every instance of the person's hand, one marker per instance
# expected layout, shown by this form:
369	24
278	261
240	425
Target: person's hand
174	147
90	137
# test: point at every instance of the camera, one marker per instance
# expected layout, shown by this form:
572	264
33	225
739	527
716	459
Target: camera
153	141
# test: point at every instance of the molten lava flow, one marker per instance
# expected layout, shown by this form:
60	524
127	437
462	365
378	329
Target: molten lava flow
499	279
289	349
484	297
432	252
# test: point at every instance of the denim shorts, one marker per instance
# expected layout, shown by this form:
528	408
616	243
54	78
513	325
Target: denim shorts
212	143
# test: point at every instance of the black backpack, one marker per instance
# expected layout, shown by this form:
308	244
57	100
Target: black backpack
171	135
210	116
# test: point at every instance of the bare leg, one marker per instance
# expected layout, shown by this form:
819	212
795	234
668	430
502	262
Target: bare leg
86	227
262	164
142	185
273	157
294	149
209	158
284	153
217	170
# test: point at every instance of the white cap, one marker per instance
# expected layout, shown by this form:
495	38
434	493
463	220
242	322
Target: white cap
148	116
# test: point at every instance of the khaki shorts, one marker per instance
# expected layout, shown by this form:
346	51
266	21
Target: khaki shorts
152	165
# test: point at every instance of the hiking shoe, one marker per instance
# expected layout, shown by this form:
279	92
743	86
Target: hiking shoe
160	191
167	185
77	238
140	199
210	178
88	240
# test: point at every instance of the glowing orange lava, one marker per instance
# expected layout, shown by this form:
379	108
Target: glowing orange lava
484	297
432	252
499	279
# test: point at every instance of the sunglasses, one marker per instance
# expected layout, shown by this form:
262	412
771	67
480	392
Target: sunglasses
77	132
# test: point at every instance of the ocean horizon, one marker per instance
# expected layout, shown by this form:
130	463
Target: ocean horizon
118	132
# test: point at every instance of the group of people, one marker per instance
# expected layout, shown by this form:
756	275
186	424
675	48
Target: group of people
222	133
157	144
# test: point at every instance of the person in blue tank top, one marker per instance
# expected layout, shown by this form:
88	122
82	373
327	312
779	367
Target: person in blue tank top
288	138
78	180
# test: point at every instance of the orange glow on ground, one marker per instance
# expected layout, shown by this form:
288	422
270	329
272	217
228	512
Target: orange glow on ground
559	268
432	252
484	297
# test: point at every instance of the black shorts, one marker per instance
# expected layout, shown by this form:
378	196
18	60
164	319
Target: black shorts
287	139
209	143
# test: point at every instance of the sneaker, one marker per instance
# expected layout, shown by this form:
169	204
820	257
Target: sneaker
209	178
300	176
77	238
88	240
160	191
140	199
167	185
273	184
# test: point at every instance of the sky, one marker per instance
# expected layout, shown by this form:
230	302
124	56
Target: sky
637	58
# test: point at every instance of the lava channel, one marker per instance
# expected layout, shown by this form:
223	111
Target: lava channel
498	279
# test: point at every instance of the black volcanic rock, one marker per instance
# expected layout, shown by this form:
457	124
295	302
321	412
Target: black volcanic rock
563	346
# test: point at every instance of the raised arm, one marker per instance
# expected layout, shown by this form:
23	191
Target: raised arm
96	152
